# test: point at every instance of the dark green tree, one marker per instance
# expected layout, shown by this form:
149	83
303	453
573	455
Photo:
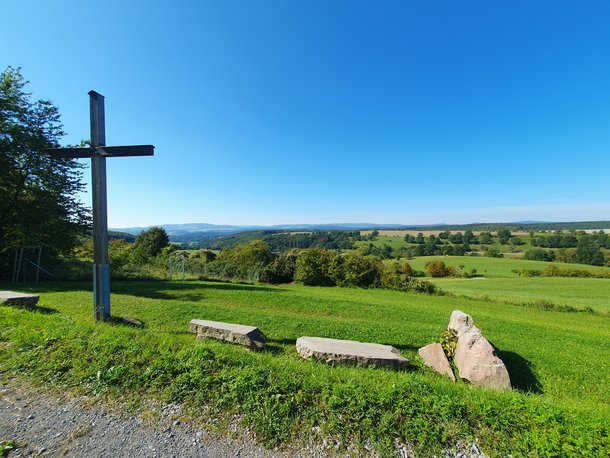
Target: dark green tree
503	236
485	238
318	267
38	195
588	251
149	244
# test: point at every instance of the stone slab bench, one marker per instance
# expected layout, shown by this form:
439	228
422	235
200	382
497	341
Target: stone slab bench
335	351
18	299
248	336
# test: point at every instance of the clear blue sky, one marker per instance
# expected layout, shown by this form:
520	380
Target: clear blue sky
333	111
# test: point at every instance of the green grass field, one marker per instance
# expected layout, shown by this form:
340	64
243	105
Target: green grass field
501	283
558	364
496	267
572	292
397	242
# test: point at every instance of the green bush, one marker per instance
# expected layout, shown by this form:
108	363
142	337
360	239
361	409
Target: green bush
317	267
539	254
438	269
360	271
493	253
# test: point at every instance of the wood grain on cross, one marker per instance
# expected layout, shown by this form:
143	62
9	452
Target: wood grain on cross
98	152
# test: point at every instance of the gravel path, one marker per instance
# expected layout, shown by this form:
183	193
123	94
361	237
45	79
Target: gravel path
52	424
59	425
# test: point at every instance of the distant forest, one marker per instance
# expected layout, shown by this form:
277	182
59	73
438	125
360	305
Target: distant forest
332	239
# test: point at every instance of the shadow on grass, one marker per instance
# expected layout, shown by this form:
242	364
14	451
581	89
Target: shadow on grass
126	321
152	289
522	376
43	310
274	349
185	291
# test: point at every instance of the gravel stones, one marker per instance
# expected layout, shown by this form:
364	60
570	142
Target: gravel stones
249	336
335	351
18	299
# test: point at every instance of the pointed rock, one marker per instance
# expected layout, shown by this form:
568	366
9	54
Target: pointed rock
477	361
460	322
434	357
248	336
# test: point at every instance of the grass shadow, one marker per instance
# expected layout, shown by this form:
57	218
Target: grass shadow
275	350
522	376
185	291
43	310
126	321
152	289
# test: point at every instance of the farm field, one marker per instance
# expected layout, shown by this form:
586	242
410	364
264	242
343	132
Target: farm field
561	377
496	267
501	283
579	293
397	242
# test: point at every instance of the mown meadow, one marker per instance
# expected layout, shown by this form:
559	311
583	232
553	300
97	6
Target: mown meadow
498	281
558	363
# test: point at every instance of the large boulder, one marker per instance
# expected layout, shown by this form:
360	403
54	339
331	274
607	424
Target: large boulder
18	299
434	357
248	336
335	351
477	362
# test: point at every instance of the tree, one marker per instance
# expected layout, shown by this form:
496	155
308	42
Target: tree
38	195
485	238
503	236
539	254
588	251
149	243
360	271
317	267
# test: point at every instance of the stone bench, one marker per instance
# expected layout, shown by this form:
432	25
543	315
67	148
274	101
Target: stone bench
335	351
248	336
18	299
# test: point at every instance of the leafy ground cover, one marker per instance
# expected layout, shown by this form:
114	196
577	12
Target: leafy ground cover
557	361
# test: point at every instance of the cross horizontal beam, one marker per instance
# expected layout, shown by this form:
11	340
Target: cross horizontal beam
100	151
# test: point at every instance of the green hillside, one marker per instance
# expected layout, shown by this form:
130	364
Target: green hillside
557	361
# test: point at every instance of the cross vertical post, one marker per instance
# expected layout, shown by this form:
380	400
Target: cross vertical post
98	152
101	267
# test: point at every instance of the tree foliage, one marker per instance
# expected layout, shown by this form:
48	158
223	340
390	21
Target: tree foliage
38	195
149	243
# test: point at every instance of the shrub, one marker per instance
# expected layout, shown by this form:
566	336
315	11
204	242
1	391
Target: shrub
493	253
528	272
315	267
281	270
539	254
437	269
360	271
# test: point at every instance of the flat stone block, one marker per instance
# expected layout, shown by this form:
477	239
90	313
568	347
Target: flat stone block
434	357
248	336
18	299
334	351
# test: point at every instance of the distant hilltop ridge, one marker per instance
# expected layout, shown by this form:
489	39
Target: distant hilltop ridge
218	229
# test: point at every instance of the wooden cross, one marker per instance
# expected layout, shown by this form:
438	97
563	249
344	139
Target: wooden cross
98	152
